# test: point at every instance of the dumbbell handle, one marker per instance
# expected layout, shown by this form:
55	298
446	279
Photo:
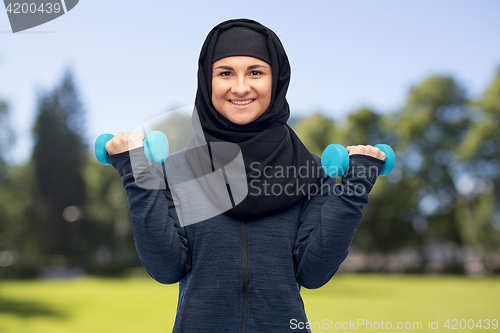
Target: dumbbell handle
155	147
335	160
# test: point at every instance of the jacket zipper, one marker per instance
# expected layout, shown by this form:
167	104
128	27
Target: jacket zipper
244	257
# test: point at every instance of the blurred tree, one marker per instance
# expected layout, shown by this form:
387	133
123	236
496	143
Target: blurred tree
6	139
433	122
108	236
316	132
429	128
16	237
363	127
178	129
58	158
479	181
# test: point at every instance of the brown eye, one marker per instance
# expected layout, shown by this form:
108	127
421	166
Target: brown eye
255	73
225	73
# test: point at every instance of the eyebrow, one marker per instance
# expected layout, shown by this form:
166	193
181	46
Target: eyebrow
229	68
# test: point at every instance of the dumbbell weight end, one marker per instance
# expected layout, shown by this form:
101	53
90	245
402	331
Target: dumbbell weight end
100	148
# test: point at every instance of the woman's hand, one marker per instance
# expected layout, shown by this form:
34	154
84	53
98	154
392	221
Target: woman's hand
124	142
366	150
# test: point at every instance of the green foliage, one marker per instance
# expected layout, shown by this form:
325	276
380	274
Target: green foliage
16	232
16	237
479	211
316	132
110	244
6	139
429	128
476	218
484	132
58	157
178	129
363	126
62	173
434	113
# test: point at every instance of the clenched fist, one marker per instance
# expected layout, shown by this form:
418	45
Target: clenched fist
124	142
366	150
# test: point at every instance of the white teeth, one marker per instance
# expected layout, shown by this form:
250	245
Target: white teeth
248	101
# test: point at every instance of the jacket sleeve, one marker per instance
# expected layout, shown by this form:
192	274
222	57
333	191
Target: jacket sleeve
160	240
329	220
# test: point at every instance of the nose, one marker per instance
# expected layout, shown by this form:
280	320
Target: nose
240	87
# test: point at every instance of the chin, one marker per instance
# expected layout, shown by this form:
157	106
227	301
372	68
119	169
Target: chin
241	121
239	118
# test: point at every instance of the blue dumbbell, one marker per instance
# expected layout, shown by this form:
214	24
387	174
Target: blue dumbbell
155	147
335	160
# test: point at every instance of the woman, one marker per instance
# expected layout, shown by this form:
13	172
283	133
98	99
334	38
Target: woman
241	271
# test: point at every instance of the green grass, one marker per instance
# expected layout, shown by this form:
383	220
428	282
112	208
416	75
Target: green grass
142	305
405	299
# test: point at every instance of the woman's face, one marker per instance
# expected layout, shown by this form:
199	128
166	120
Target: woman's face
241	88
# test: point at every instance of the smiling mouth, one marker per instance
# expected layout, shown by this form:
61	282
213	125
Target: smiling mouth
245	102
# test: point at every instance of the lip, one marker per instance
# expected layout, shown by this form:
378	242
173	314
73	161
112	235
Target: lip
240	107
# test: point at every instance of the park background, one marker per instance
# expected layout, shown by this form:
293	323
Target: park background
421	76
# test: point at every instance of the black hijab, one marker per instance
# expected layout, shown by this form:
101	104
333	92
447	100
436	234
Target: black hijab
267	143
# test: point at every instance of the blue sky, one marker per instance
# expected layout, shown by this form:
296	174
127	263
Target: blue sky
135	60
